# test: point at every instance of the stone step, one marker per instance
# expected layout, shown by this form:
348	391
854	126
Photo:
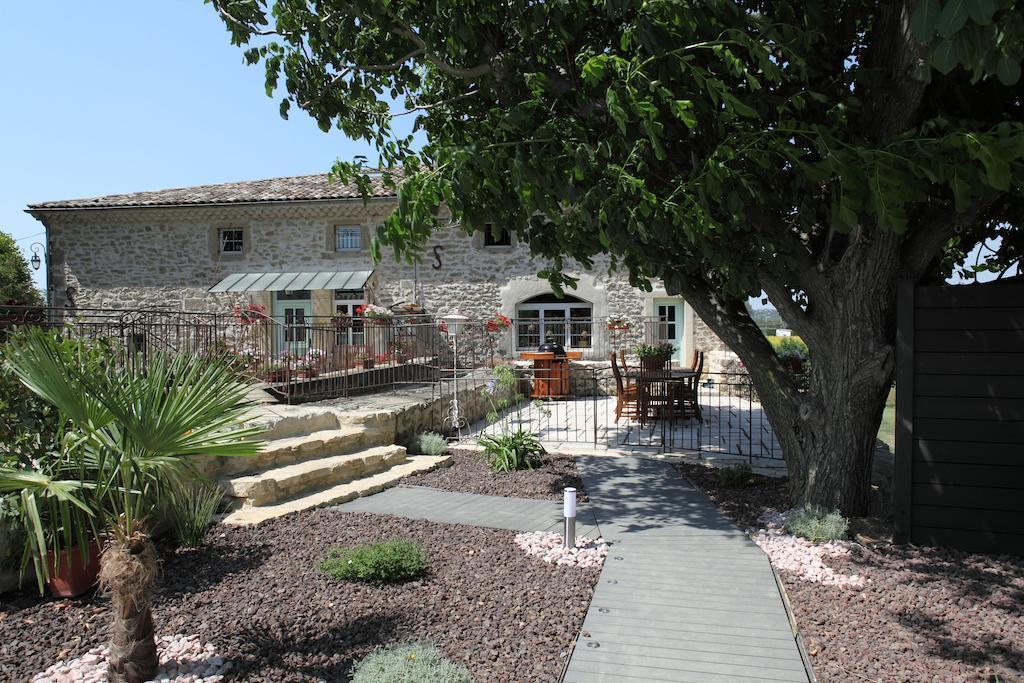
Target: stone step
280	483
285	451
339	493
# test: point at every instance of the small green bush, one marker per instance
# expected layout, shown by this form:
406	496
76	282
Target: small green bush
383	562
789	348
817	524
513	451
430	443
190	511
736	476
409	663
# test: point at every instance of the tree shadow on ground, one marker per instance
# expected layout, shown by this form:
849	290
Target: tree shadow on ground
294	654
640	495
192	570
984	650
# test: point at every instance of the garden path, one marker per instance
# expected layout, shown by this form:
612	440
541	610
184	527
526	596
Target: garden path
684	595
448	507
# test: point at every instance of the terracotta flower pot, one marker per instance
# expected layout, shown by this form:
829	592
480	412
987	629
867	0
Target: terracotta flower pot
69	575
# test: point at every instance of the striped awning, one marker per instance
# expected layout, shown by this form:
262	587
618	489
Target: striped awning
279	282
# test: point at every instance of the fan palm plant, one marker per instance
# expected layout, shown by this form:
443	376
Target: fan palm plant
133	432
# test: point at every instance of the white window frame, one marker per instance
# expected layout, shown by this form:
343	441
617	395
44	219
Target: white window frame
566	309
223	240
354	335
347	244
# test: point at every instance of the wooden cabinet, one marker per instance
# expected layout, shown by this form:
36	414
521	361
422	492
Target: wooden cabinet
551	373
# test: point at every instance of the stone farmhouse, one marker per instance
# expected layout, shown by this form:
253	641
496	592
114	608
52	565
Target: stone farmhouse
299	246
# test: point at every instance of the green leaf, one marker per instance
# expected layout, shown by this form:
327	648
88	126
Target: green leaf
945	58
924	19
981	11
953	17
1008	70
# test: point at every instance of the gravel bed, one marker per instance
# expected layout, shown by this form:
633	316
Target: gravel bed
469	473
742	505
256	595
922	614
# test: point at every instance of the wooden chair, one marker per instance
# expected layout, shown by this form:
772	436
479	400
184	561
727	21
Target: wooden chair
693	360
626	400
688	398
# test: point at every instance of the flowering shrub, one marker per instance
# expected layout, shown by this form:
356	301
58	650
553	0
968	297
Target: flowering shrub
498	323
618	324
548	547
374	311
250	313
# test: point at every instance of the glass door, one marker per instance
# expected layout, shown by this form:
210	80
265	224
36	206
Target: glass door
668	327
293	311
352	331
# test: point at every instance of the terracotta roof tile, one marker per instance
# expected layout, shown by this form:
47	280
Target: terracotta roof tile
295	188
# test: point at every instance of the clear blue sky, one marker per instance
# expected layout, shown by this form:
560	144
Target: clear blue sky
129	95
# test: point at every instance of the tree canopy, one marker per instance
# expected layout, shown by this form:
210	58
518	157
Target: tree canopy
16	285
816	151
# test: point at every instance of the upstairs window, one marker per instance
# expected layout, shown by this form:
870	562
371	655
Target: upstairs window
493	237
348	238
231	240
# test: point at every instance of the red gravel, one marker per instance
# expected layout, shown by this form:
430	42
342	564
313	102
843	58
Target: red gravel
256	594
926	614
469	473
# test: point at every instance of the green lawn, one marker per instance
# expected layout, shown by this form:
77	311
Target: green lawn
887	430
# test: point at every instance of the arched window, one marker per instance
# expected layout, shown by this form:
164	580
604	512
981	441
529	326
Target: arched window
567	320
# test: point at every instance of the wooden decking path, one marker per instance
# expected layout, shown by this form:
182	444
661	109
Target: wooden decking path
684	594
497	512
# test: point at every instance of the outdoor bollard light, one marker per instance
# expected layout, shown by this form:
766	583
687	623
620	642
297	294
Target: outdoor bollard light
569	512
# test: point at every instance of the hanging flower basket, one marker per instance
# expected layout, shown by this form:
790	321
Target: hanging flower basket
376	315
618	324
499	323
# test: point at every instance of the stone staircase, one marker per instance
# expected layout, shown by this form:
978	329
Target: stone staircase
313	458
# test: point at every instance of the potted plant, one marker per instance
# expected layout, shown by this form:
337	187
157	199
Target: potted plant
311	363
139	429
376	315
498	323
275	372
620	324
401	351
654	356
366	360
341	321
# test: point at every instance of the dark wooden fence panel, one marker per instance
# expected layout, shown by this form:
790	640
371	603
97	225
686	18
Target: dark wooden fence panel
960	417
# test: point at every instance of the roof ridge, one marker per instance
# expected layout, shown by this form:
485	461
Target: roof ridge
307	187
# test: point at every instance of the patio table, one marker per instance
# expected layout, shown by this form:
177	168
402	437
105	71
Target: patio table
657	390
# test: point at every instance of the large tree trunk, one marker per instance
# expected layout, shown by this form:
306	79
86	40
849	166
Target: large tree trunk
127	572
828	431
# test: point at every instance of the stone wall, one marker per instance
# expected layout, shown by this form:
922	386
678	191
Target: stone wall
167	258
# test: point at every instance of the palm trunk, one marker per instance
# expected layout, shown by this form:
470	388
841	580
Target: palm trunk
127	573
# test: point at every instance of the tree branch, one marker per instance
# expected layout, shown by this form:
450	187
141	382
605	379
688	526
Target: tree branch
919	250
